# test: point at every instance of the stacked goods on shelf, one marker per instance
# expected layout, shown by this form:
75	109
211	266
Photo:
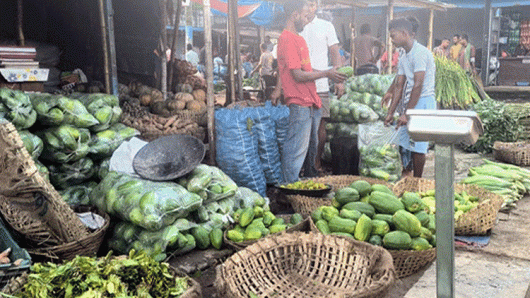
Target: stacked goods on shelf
509	181
18	57
171	218
454	87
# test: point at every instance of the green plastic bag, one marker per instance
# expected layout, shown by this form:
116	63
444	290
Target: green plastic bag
67	174
33	144
104	107
64	143
15	106
105	142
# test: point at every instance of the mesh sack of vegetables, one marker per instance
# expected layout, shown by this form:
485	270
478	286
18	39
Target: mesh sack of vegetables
32	143
237	150
373	101
104	143
78	194
210	183
72	173
151	205
58	109
370	83
64	143
127	236
104	107
379	156
341	130
246	197
351	112
15	106
43	170
103	169
264	129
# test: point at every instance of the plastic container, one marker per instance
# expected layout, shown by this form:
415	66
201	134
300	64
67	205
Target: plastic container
8	271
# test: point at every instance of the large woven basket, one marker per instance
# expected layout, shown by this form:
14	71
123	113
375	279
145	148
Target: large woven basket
87	246
303	226
16	284
517	153
305	205
406	262
306	265
477	221
29	204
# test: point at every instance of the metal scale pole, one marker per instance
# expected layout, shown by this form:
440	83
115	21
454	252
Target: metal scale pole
445	227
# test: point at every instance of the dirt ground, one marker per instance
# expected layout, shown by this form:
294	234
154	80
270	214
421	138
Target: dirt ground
508	246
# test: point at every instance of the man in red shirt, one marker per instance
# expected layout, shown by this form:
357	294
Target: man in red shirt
297	78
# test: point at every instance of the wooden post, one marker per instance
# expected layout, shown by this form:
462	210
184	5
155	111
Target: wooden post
176	25
109	13
20	23
163	47
237	50
352	44
209	80
231	50
390	16
431	28
104	45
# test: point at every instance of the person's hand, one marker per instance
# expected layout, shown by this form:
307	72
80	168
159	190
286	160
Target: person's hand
275	95
402	120
385	101
388	120
339	89
336	76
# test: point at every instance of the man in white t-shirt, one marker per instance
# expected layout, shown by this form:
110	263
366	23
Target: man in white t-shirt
192	56
322	40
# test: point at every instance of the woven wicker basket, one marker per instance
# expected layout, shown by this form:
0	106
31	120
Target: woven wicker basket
16	284
29	203
87	246
477	221
305	205
301	227
406	262
517	153
307	265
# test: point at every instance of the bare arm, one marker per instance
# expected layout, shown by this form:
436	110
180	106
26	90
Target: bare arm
419	77
277	92
336	60
397	94
305	76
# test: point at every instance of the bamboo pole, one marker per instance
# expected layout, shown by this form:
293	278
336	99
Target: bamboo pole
176	25
431	29
105	46
163	47
209	81
231	51
352	44
111	48
390	16
237	50
20	23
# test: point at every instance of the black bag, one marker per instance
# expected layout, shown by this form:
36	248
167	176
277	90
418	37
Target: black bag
344	156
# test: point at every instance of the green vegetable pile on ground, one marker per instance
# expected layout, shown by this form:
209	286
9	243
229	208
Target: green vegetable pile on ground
509	181
454	88
499	125
137	275
464	202
15	106
372	213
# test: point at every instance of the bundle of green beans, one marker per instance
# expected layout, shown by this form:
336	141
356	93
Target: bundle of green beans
454	88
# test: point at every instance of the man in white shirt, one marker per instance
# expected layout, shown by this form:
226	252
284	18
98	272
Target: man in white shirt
192	56
322	40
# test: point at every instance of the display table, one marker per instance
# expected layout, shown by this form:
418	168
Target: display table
514	71
25	79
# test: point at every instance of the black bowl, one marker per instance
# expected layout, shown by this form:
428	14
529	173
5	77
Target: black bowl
305	192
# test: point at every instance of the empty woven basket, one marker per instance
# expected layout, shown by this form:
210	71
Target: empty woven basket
307	265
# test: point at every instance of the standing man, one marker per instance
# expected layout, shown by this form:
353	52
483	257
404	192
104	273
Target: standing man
414	90
365	46
192	56
443	49
322	42
297	78
265	69
466	57
455	48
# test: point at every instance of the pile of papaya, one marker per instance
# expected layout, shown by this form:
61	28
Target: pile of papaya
257	222
373	213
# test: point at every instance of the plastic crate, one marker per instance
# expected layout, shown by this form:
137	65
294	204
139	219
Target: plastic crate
8	271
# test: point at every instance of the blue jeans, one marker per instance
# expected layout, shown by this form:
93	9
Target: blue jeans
301	142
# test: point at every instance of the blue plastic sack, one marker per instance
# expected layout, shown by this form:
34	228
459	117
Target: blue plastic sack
237	149
264	129
280	116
